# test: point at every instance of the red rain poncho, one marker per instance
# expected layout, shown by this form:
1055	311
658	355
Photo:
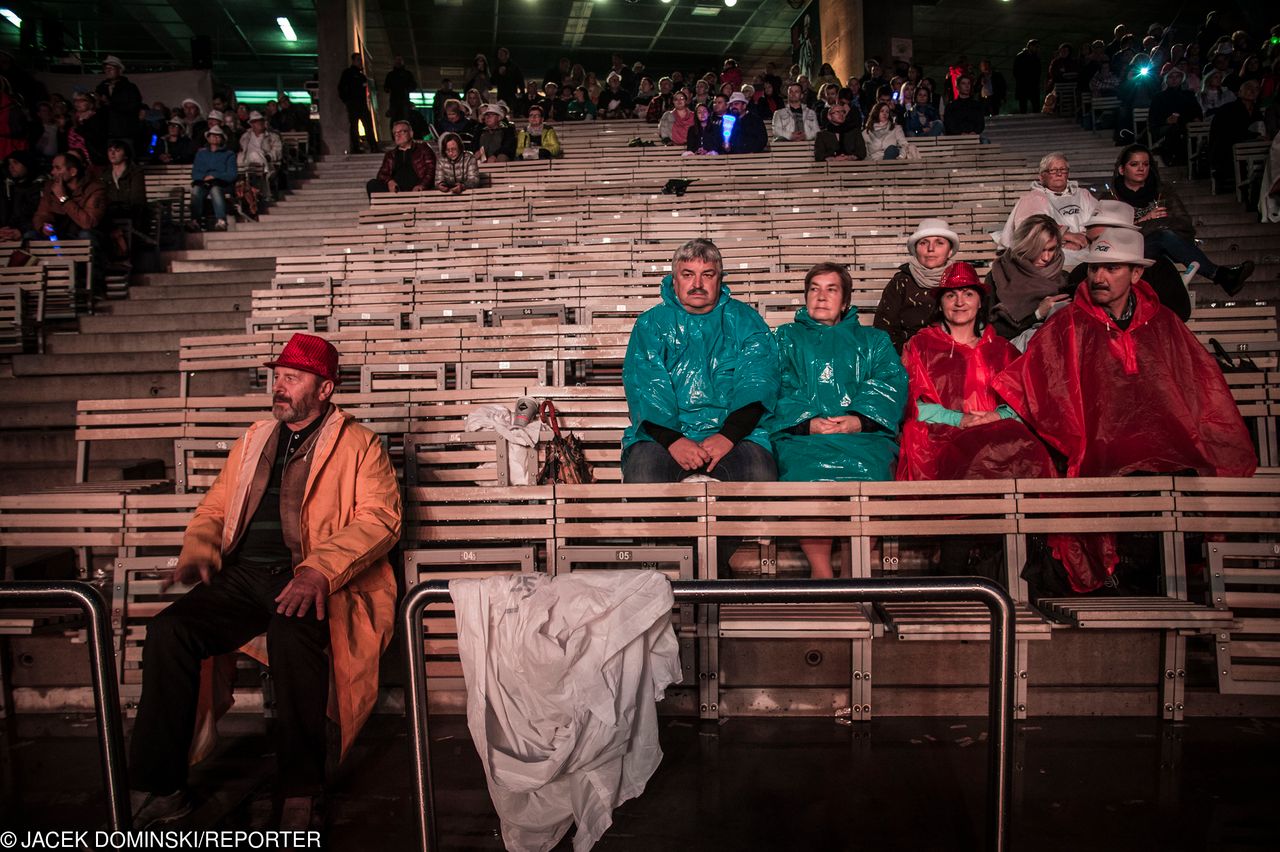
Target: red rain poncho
959	378
1114	402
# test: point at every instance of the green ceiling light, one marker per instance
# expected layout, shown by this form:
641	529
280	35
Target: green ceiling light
11	17
287	29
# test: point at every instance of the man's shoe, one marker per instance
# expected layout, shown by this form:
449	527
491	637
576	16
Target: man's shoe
300	813
220	225
154	809
1232	278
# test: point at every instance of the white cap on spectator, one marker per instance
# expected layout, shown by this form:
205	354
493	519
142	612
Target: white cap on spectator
178	122
114	60
933	228
738	98
215	131
1118	245
193	102
1112	214
215	115
257	116
492	108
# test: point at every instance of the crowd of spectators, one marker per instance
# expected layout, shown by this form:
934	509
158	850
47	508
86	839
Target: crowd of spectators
72	168
1100	380
1180	74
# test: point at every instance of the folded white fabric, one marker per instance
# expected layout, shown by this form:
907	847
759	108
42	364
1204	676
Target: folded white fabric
562	678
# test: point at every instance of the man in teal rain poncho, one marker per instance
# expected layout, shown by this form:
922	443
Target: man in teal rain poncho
842	397
701	372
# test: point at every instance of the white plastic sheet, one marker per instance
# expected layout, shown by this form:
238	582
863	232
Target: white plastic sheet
562	678
522	441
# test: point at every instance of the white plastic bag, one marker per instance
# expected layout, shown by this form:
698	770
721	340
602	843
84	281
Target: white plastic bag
562	678
522	441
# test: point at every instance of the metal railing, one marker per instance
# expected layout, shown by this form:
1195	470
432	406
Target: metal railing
106	693
942	590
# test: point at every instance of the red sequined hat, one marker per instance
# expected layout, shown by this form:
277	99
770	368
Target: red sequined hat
958	276
310	354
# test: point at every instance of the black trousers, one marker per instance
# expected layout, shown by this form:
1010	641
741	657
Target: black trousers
216	619
359	113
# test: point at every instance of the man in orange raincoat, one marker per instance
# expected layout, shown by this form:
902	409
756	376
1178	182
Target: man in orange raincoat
290	542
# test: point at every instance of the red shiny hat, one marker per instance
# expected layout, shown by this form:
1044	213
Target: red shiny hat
310	354
958	276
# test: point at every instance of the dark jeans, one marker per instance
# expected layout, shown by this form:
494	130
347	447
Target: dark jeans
1029	101
217	619
377	186
1179	250
359	113
649	461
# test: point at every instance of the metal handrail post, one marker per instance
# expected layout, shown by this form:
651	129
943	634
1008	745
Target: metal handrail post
106	693
877	590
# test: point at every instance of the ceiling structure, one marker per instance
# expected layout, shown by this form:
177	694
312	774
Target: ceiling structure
435	37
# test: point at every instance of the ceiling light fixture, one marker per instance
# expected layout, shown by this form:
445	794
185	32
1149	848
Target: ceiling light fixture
12	18
731	3
287	29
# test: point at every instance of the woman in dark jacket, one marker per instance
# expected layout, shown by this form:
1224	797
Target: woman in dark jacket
706	136
1026	280
1167	228
907	304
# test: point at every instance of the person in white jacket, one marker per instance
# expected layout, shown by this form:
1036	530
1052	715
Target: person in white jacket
795	122
260	145
1060	198
884	137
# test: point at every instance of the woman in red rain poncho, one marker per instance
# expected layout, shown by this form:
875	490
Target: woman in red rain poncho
956	428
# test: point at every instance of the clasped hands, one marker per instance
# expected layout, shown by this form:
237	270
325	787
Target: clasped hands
692	455
308	588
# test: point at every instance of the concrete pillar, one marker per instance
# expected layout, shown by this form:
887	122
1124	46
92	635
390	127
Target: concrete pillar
339	33
891	20
842	36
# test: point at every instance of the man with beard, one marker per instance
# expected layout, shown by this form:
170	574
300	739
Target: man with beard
290	541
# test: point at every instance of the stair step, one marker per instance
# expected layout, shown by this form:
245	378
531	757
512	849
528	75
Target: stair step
185	323
86	343
191	303
50	364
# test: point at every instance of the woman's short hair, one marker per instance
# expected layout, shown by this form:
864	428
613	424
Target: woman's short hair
827	266
1048	160
698	249
1032	235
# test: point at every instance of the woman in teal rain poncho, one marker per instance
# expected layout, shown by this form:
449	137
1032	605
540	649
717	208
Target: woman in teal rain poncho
842	397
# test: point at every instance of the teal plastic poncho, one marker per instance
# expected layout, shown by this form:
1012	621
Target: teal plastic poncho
689	371
828	371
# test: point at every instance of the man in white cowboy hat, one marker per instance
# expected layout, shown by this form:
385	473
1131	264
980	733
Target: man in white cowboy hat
496	139
748	135
1162	275
120	99
193	119
1117	384
213	174
260	146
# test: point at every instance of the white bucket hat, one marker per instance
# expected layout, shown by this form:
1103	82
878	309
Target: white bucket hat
492	108
257	116
114	60
739	98
1112	214
1117	245
933	228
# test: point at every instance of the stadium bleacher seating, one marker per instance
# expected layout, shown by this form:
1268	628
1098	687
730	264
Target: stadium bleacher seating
530	286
